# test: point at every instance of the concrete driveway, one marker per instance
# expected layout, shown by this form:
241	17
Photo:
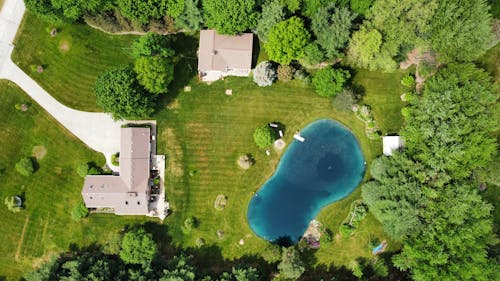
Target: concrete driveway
97	130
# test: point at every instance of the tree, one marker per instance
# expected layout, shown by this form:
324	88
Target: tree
332	27
312	54
190	19
453	244
118	92
138	247
230	16
394	198
179	270
329	81
310	7
154	73
69	10
449	128
272	13
25	167
402	22
79	212
141	11
291	266
264	74
152	44
361	6
287	40
263	136
461	30
365	50
245	274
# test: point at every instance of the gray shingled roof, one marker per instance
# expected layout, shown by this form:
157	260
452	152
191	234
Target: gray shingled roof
222	52
127	193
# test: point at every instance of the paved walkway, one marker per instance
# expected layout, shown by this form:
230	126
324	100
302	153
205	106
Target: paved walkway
98	130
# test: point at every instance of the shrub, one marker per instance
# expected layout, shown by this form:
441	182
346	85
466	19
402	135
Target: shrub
272	253
263	136
285	73
425	69
344	100
329	81
200	242
115	159
346	230
79	212
95	171
302	75
25	167
264	74
113	244
245	161
83	169
408	81
189	224
13	203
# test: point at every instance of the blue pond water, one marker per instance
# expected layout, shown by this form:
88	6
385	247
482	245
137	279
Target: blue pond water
325	168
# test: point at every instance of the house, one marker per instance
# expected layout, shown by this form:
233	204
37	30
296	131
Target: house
132	191
391	143
224	55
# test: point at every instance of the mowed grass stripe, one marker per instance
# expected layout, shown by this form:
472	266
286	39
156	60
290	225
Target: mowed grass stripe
72	59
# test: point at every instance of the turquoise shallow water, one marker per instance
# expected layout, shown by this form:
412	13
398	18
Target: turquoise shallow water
325	168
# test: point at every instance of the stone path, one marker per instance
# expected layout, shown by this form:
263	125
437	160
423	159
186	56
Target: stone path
98	130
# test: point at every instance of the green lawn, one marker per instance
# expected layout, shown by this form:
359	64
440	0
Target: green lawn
382	92
45	227
72	59
202	132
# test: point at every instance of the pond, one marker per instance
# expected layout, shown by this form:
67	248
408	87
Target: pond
325	168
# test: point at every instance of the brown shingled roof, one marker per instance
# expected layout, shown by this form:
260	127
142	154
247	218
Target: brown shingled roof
222	52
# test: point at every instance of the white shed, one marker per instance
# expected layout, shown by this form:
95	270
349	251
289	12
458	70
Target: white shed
392	143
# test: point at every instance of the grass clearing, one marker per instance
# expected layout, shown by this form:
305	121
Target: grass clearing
382	93
72	59
45	227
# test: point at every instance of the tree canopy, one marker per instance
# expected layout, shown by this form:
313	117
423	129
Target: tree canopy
332	27
152	44
118	92
329	81
272	13
154	73
25	167
461	30
141	11
449	128
291	266
230	16
366	51
287	40
138	247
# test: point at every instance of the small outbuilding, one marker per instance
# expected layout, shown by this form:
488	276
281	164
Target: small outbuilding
391	143
224	55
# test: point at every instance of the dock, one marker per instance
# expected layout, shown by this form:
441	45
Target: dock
298	137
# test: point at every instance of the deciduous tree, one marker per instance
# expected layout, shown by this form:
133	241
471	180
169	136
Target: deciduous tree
329	81
154	73
291	266
138	247
287	40
263	136
230	16
118	92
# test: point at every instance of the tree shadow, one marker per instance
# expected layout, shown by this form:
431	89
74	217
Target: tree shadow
185	66
36	165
